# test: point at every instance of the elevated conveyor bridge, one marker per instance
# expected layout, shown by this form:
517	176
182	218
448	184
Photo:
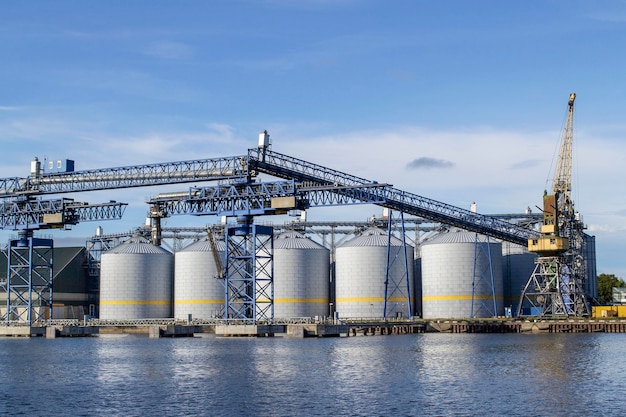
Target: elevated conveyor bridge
282	166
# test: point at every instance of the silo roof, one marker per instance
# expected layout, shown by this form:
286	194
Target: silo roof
373	237
138	245
295	240
457	236
205	246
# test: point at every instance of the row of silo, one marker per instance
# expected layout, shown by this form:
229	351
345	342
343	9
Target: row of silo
139	280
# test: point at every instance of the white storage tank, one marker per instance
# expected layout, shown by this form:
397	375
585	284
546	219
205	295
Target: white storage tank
197	290
517	267
301	277
360	270
451	262
136	281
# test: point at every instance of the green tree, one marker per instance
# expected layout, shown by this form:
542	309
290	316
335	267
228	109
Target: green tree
606	282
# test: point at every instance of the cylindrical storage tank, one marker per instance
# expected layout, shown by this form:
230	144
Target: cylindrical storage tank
360	272
301	277
197	290
417	287
136	281
461	276
590	286
517	267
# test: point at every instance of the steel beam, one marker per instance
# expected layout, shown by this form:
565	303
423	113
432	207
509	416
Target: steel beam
283	166
225	168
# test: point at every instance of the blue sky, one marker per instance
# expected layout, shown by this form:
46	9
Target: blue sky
454	100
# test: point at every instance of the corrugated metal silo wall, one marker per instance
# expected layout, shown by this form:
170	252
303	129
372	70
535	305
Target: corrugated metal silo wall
517	267
448	271
360	280
589	248
301	278
136	285
197	290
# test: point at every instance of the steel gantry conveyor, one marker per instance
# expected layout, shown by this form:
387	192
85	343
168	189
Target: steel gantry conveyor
225	168
262	160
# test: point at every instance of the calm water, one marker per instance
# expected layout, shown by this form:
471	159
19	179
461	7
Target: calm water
412	375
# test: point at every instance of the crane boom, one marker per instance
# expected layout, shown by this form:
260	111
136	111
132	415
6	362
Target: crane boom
562	182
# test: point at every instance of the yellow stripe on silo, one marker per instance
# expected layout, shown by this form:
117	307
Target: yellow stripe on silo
301	300
134	302
199	301
459	297
370	299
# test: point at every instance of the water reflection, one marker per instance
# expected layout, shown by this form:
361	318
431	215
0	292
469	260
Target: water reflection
430	374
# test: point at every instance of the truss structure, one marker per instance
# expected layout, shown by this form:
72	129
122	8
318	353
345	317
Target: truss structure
249	273
552	290
29	280
397	288
483	282
287	167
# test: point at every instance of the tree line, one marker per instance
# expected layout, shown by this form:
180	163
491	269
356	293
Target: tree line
606	282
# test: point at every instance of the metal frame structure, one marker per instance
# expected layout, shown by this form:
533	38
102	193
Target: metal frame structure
29	279
480	277
249	273
283	166
213	169
552	290
394	290
28	287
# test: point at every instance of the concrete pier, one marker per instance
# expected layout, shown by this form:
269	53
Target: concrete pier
345	329
17	331
248	330
171	330
317	330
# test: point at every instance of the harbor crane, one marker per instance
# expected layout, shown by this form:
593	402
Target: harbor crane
555	287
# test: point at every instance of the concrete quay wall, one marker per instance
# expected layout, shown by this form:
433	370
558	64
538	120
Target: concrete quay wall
371	328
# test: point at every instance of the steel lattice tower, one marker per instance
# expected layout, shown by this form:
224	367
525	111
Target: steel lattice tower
249	273
29	279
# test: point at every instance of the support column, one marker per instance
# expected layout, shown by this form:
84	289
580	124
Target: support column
29	279
249	273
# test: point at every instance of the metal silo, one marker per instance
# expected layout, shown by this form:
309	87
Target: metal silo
360	272
136	281
517	267
301	277
461	276
197	290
